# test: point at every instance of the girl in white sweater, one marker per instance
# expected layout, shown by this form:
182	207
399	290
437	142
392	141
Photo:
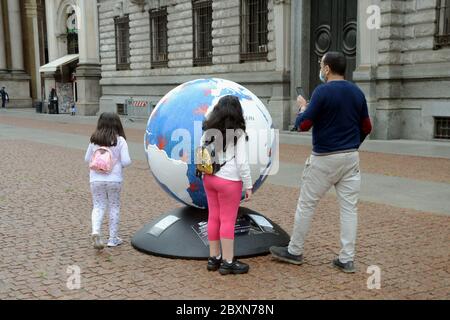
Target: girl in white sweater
106	187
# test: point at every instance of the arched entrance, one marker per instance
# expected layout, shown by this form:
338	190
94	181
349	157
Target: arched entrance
74	54
66	88
72	31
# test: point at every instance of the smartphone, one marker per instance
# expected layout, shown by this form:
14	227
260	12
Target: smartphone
300	92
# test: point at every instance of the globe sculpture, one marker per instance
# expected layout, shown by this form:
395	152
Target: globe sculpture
175	128
173	133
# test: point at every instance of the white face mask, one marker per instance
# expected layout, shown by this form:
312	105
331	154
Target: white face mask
322	77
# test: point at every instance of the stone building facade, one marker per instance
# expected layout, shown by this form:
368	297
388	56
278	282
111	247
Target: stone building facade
402	64
398	53
405	70
399	64
267	77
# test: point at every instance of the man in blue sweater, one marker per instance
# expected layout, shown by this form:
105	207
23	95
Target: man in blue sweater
339	117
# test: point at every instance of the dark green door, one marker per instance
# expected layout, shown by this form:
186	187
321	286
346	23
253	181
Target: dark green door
333	28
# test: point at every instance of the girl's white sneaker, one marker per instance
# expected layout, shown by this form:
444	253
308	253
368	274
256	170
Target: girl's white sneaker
97	242
115	242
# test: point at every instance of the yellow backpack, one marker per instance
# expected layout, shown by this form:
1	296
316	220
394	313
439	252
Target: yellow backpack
204	159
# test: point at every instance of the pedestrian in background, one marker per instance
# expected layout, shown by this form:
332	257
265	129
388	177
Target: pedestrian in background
73	110
53	99
4	96
109	136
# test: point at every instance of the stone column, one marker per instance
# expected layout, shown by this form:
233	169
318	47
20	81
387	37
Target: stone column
385	110
2	42
88	34
367	52
280	101
89	70
15	31
282	21
16	80
50	14
300	51
32	54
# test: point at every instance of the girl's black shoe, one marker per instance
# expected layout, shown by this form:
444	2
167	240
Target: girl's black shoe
213	264
236	267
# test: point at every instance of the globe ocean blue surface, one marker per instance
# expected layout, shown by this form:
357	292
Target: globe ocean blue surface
174	132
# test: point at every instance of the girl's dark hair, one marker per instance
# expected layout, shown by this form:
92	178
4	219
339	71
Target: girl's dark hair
226	115
109	127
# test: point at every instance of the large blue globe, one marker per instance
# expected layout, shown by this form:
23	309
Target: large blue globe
174	130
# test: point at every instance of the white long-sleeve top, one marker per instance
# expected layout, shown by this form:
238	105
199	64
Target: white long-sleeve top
121	159
237	166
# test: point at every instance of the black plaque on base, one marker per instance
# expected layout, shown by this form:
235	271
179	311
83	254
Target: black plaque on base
182	233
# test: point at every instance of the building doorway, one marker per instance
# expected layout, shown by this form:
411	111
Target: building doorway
333	28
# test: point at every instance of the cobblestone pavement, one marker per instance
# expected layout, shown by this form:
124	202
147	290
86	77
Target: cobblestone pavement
45	210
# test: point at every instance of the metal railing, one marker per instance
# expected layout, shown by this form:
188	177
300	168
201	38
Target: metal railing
138	109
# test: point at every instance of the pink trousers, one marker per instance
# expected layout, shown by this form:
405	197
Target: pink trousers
224	197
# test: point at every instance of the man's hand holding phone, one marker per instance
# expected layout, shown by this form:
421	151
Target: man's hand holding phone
301	101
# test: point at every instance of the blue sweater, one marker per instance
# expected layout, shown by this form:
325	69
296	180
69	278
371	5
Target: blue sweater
339	117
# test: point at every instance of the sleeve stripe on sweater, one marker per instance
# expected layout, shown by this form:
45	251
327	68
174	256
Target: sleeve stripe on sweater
366	126
305	125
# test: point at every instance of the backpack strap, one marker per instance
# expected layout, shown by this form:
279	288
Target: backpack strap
227	161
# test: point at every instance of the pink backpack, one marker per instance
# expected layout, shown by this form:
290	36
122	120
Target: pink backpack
102	160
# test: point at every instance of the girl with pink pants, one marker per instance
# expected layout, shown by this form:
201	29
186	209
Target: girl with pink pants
224	198
224	188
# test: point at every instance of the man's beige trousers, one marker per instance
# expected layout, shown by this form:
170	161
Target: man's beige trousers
320	174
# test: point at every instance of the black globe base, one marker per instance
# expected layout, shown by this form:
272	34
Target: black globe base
182	234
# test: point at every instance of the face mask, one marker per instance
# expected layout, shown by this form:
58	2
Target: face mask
322	77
